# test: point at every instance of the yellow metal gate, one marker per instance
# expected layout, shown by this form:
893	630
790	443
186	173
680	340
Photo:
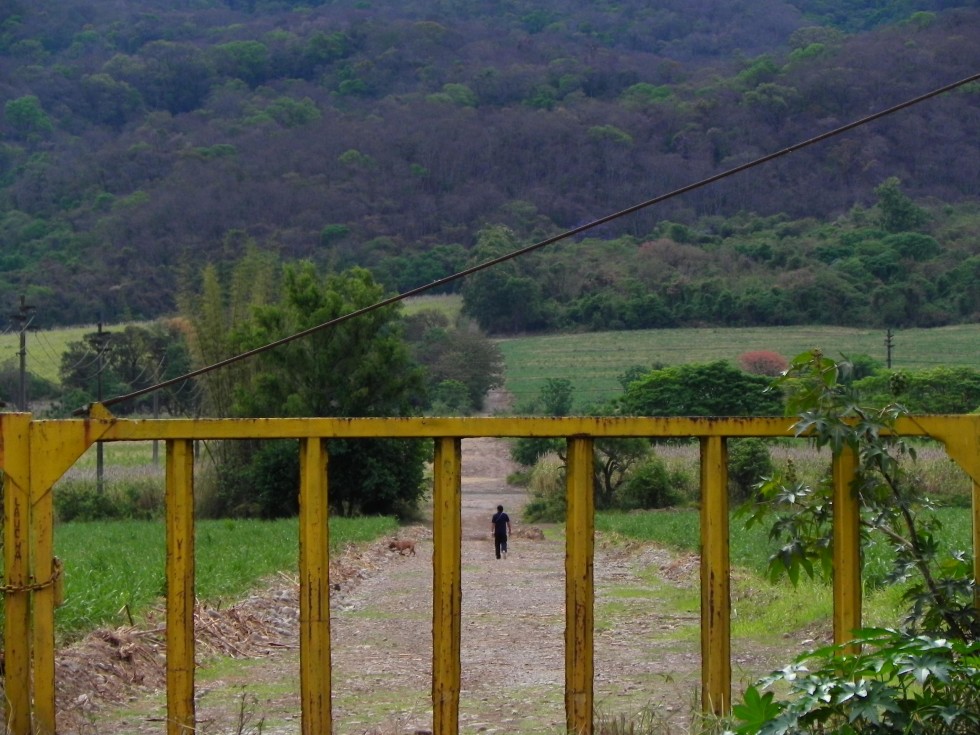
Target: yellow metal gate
34	454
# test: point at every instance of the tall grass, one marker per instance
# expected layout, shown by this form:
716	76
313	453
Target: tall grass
449	305
750	547
114	570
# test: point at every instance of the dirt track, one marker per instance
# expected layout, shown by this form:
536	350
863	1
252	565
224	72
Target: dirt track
512	637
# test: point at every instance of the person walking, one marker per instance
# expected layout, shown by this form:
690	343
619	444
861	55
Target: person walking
500	527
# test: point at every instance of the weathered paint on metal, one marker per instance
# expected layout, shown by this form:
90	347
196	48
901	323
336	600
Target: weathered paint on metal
846	548
15	437
447	587
962	443
429	427
316	694
180	587
33	454
579	587
716	668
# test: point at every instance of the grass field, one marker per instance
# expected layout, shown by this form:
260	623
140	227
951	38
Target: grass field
593	361
750	548
114	569
762	606
44	348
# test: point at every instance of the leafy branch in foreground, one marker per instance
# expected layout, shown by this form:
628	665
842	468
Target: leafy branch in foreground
923	678
899	683
889	491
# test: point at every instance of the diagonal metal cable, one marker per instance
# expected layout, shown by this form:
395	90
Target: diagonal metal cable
543	243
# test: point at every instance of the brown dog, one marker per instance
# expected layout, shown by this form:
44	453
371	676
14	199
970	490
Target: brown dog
403	547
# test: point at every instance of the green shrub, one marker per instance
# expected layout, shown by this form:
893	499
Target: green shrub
130	499
923	679
898	683
748	463
548	503
527	450
651	485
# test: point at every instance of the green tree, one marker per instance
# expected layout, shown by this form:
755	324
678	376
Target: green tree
922	678
455	355
935	390
650	485
617	460
359	368
127	360
214	309
555	398
749	463
246	60
706	389
38	388
27	117
503	298
896	211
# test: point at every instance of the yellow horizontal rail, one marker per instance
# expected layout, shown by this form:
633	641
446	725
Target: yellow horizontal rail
956	428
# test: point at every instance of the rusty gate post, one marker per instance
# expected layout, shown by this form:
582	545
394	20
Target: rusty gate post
54	447
846	548
447	588
716	667
180	587
579	587
315	682
961	437
16	456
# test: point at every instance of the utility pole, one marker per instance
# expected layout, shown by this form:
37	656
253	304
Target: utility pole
23	317
889	342
99	340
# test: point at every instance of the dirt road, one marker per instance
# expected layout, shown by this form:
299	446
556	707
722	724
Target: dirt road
512	637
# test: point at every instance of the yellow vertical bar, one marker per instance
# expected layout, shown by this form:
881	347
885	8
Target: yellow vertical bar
180	587
579	587
42	524
716	667
447	587
314	590
847	548
16	456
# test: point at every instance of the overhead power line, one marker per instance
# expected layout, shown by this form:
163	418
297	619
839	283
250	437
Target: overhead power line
543	243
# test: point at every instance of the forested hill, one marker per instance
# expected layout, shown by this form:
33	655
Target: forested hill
144	138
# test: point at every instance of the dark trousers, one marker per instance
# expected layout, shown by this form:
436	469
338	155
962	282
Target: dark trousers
499	544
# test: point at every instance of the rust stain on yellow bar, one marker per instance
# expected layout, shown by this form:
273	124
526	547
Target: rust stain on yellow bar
180	588
314	590
15	439
716	669
431	427
846	548
579	588
447	590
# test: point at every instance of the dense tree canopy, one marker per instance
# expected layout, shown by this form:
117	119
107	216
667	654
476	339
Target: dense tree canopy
360	367
115	362
137	136
711	389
